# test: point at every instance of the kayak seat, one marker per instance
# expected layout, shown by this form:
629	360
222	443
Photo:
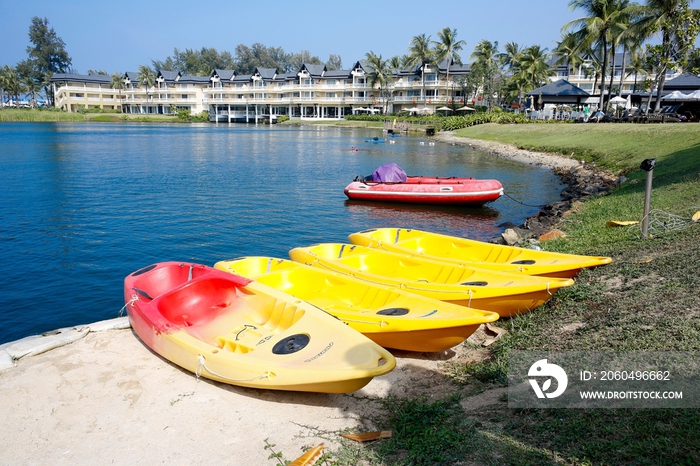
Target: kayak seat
241	339
279	316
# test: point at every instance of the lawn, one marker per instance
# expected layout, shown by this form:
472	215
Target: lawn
646	300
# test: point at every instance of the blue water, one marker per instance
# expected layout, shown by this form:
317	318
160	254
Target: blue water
83	205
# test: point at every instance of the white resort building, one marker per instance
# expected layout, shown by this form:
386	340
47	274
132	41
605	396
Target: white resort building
312	92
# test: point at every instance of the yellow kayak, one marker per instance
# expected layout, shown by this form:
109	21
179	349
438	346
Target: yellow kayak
476	253
507	294
234	330
388	316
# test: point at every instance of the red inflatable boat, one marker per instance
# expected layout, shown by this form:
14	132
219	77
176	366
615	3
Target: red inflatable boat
427	190
389	183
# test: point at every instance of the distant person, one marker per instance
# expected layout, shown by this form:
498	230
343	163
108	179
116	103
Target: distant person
597	117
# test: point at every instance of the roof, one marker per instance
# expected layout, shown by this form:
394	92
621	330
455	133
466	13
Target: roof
337	74
194	79
266	73
315	71
242	78
560	87
169	76
684	81
83	78
455	68
224	75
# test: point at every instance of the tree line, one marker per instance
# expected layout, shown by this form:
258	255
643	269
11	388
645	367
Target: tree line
589	46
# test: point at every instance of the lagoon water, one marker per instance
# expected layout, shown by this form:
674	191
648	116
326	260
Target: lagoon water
83	205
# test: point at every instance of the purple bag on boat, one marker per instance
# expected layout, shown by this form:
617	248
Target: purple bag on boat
389	173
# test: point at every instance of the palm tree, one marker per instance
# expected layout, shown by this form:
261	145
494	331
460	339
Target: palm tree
672	19
485	56
117	82
535	67
147	77
606	20
3	83
510	58
31	87
420	53
379	74
10	82
447	49
566	52
631	45
638	65
395	63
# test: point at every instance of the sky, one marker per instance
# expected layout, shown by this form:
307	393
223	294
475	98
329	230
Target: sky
121	35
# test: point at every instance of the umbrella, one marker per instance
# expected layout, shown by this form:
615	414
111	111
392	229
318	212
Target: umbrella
447	109
466	109
413	109
675	95
628	102
618	100
425	109
694	95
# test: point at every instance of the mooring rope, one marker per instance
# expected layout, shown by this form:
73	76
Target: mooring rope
520	202
133	299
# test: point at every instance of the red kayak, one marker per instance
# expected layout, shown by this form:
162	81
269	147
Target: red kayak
427	190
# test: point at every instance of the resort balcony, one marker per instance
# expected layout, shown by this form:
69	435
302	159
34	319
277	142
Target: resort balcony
419	85
420	99
86	88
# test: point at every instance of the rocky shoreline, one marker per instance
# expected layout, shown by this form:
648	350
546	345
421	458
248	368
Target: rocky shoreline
582	180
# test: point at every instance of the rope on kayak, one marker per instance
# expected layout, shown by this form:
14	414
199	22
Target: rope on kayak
520	202
133	299
201	364
380	323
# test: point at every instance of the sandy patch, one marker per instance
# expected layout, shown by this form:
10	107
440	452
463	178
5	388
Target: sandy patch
553	162
107	398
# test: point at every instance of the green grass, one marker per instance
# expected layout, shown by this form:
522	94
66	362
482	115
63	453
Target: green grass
40	115
646	299
49	115
613	147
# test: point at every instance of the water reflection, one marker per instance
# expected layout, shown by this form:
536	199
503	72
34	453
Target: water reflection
474	222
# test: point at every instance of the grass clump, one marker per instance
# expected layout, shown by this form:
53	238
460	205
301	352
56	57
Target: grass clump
425	432
38	114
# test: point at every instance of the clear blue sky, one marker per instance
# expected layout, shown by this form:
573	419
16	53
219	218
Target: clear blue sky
121	35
